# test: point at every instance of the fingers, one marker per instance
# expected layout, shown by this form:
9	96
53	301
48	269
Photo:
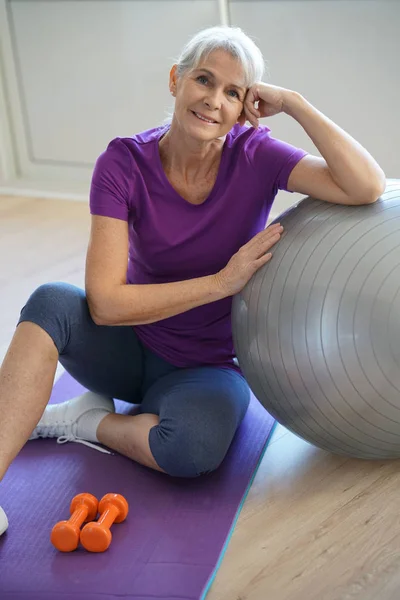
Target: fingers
267	238
273	226
251	116
270	231
268	243
252	110
252	95
264	259
275	231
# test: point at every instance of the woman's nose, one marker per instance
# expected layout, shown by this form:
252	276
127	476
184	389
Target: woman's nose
213	100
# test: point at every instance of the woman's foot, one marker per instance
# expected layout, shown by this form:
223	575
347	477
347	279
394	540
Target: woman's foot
3	521
74	420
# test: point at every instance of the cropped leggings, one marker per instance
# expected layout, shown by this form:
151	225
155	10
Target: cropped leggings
199	408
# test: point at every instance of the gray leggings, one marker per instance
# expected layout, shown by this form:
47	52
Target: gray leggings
199	408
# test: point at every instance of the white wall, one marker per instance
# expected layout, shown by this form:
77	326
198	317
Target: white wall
75	74
79	73
343	56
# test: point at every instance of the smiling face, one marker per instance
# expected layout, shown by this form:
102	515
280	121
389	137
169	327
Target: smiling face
215	90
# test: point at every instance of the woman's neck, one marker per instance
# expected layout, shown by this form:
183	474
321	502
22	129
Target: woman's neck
188	158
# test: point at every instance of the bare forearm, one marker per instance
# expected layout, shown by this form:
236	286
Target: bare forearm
148	303
352	167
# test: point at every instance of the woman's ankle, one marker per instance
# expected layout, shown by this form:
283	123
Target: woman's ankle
129	435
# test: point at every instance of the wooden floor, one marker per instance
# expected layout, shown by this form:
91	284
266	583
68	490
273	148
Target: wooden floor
313	527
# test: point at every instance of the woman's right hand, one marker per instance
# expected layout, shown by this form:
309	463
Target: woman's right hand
248	259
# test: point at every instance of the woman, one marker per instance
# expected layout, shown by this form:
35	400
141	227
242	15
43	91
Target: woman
178	218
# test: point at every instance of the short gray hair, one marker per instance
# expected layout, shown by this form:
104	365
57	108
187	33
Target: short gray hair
230	39
222	37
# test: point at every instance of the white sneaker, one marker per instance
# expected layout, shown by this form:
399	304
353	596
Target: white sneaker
3	521
64	421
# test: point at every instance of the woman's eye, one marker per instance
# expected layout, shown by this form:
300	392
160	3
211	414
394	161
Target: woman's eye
202	78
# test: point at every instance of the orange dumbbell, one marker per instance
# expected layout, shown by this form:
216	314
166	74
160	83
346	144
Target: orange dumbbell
65	534
96	537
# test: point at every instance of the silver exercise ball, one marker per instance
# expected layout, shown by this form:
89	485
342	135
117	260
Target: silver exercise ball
317	329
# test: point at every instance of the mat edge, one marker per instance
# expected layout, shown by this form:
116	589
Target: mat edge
213	575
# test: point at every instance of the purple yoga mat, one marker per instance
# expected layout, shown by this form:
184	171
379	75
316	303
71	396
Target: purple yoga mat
171	543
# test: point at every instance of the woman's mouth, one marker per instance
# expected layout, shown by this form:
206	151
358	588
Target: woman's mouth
204	119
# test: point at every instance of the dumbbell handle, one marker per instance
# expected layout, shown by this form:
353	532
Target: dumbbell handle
108	517
79	515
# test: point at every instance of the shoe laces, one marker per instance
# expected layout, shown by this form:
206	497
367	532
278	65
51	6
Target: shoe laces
63	439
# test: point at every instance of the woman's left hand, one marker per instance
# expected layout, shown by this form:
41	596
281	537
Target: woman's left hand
271	101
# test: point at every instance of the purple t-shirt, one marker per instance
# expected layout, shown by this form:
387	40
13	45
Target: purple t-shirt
173	240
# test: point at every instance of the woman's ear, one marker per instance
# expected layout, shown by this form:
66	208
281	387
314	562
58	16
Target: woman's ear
172	80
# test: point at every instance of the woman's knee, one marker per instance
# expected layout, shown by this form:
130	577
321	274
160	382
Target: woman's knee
54	297
52	306
200	411
184	454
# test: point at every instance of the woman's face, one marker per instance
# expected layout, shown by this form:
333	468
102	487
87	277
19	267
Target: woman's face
214	90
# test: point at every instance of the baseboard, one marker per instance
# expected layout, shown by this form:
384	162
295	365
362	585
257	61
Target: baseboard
49	189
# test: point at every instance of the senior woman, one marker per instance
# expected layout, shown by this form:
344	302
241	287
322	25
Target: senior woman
178	228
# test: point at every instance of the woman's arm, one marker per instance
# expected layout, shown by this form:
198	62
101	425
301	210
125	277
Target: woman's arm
346	173
113	302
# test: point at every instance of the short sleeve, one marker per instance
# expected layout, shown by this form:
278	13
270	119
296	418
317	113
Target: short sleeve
273	159
112	182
